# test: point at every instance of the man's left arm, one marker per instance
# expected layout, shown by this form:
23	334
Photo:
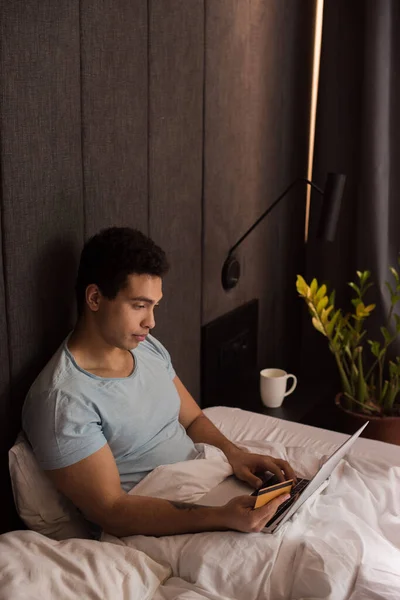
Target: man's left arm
244	464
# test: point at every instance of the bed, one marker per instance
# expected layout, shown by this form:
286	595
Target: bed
343	544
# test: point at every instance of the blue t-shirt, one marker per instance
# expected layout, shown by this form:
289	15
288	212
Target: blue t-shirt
70	413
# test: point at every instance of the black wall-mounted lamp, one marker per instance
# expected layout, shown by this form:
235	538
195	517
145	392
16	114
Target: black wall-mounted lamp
332	194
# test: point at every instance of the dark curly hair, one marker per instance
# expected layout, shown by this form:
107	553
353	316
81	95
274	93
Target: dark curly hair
110	256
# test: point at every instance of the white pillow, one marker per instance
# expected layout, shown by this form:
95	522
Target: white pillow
34	567
40	506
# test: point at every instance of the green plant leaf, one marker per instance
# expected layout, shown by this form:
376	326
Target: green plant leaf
363	276
386	335
355	287
332	323
321	292
375	347
325	314
318	325
363	311
314	286
395	274
322	304
301	286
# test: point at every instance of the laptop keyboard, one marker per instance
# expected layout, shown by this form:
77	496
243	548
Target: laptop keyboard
295	491
299	487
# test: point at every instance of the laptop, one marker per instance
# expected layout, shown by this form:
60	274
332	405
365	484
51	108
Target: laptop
299	493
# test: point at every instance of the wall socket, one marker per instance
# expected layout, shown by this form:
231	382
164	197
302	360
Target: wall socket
229	354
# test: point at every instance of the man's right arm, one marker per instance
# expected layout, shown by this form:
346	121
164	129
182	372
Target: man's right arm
93	485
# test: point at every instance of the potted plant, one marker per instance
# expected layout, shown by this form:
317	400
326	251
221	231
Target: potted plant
370	380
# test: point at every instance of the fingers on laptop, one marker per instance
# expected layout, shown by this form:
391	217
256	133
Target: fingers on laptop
286	468
250	478
266	512
280	468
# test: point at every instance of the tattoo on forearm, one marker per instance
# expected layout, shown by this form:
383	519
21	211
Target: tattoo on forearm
185	505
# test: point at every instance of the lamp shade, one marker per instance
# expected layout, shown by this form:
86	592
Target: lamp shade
332	195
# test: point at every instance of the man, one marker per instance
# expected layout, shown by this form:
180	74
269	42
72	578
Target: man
108	408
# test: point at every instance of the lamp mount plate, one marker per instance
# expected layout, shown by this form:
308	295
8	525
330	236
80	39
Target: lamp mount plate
230	273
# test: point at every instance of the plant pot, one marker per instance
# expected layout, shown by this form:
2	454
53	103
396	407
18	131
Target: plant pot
384	429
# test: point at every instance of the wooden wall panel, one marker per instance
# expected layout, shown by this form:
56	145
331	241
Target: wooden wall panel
41	176
257	96
42	224
114	113
175	173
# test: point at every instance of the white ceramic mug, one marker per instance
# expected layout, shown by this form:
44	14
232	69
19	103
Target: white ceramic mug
273	386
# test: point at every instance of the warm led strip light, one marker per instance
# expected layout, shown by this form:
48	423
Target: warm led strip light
314	98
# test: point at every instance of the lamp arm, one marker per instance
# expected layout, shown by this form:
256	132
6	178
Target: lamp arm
271	207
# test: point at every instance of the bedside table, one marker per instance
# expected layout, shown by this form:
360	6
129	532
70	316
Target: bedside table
229	376
310	403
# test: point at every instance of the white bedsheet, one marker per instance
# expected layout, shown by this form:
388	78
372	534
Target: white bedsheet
34	567
343	545
240	425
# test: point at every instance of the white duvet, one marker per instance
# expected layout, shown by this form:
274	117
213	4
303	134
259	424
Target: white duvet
343	544
34	567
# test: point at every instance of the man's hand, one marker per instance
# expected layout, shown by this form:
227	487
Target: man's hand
240	515
246	464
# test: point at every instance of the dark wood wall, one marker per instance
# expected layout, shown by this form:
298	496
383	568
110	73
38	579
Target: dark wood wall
257	114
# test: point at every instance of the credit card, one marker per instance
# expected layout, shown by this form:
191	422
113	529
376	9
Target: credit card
267	494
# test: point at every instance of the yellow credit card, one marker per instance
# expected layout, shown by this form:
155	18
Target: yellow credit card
267	494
